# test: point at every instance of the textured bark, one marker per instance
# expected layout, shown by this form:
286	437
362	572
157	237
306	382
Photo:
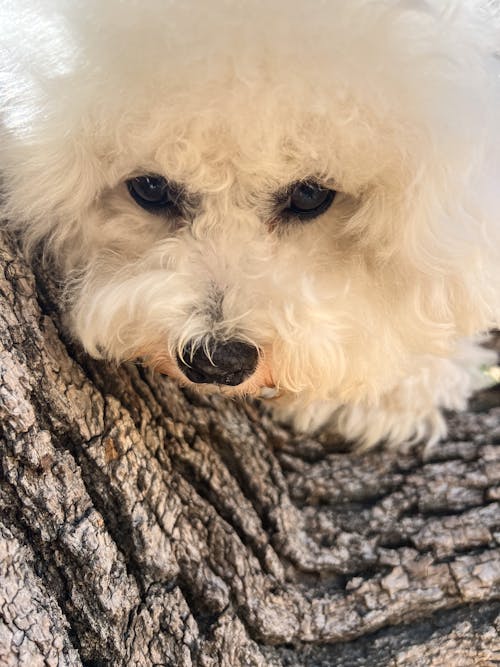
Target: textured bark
144	525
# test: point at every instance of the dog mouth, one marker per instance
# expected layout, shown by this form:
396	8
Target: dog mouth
268	393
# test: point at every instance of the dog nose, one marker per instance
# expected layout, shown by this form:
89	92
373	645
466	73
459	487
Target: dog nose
230	363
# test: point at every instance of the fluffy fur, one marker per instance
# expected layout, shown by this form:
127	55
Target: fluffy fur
363	317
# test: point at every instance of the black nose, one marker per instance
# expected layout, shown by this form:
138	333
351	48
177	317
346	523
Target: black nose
230	362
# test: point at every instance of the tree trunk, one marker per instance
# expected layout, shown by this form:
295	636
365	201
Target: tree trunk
143	525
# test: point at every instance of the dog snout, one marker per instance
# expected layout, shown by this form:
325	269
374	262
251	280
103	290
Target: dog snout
226	363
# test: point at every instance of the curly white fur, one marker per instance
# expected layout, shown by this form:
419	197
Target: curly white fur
360	315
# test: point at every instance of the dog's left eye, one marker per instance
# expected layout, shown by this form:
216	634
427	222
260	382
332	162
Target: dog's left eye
153	193
307	200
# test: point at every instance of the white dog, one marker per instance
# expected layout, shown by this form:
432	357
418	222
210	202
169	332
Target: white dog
295	199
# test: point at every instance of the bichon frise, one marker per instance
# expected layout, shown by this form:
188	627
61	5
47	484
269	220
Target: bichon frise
292	199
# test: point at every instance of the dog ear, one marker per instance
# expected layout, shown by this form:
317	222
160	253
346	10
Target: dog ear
446	211
48	180
50	171
450	239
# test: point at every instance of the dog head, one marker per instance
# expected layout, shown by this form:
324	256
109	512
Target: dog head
246	195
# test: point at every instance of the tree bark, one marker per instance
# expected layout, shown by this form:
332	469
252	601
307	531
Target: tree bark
144	525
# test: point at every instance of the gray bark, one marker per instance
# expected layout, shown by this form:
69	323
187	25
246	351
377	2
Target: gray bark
144	525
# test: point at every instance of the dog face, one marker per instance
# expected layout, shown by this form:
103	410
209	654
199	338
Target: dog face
197	251
247	201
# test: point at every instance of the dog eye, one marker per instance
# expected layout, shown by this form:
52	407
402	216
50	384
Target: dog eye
153	193
308	200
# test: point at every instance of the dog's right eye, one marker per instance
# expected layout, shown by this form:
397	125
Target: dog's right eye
153	193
